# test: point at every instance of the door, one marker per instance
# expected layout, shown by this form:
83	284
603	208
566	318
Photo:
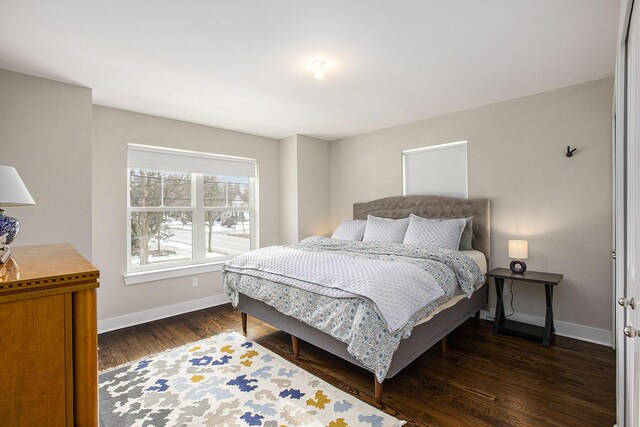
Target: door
626	251
631	309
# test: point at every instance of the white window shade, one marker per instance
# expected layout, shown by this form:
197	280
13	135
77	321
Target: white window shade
146	157
440	170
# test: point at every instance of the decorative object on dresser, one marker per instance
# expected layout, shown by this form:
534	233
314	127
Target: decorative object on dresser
501	324
13	192
48	338
519	250
226	380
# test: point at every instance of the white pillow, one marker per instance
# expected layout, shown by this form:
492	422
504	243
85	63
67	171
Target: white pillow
385	229
439	233
350	230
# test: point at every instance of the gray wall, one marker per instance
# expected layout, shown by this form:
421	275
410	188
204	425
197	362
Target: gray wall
289	190
516	158
45	133
304	188
112	130
313	187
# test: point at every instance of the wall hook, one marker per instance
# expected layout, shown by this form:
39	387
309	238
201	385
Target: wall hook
570	151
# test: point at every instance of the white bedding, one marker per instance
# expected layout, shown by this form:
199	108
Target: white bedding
345	277
480	259
398	289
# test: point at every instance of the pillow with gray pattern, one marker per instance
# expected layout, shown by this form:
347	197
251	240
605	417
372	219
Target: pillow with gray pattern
385	229
439	233
350	230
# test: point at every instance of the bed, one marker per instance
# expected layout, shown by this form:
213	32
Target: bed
427	331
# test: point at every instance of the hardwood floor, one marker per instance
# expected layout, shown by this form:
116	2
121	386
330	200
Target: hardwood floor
481	380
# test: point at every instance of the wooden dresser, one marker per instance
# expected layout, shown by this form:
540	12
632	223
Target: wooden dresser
48	338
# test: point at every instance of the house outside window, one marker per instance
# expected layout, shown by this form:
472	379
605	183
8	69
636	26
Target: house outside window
188	208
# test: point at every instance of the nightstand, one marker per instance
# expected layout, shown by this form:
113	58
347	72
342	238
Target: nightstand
501	324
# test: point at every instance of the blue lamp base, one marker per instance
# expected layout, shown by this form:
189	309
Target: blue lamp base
9	228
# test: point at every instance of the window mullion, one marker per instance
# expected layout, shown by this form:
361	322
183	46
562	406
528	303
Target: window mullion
161	209
162	191
198	217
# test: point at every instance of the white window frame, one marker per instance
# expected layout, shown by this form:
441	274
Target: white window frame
199	263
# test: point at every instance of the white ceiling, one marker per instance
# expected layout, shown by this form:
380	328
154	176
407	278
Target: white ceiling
244	65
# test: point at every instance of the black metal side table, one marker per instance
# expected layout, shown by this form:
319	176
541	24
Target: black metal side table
501	324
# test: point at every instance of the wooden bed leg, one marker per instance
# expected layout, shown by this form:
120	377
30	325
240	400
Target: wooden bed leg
478	318
378	390
443	344
296	347
244	322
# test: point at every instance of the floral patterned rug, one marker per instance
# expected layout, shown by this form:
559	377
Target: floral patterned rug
226	380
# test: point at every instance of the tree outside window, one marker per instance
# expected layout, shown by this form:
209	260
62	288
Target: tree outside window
164	205
227	207
152	230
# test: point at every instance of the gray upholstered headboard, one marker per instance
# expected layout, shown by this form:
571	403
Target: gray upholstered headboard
434	207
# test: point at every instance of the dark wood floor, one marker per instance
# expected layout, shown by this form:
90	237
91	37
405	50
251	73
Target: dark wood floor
482	379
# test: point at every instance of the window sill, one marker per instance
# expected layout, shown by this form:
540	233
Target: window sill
171	272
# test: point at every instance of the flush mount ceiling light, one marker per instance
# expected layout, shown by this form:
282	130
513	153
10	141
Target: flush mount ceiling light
318	66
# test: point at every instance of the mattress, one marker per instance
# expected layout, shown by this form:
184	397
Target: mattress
480	259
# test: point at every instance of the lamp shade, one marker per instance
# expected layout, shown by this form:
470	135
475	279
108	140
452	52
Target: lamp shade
518	249
12	190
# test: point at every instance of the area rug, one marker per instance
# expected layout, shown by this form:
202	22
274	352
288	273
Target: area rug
226	380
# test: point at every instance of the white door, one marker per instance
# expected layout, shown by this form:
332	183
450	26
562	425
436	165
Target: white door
632	317
626	168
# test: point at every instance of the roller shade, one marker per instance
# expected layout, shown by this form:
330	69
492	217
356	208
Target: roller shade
440	170
147	157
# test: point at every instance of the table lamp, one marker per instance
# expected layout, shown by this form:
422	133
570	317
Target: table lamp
12	193
518	250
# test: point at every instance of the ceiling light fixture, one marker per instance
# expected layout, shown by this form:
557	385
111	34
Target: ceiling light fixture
318	65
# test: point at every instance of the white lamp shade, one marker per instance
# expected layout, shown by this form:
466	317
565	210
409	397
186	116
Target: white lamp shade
518	249
12	190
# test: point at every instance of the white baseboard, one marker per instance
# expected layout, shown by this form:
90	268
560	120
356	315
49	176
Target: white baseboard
139	317
565	329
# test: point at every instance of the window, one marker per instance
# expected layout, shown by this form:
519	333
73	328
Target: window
439	170
187	208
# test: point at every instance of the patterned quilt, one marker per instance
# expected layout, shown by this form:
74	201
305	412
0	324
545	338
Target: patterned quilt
353	319
397	289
